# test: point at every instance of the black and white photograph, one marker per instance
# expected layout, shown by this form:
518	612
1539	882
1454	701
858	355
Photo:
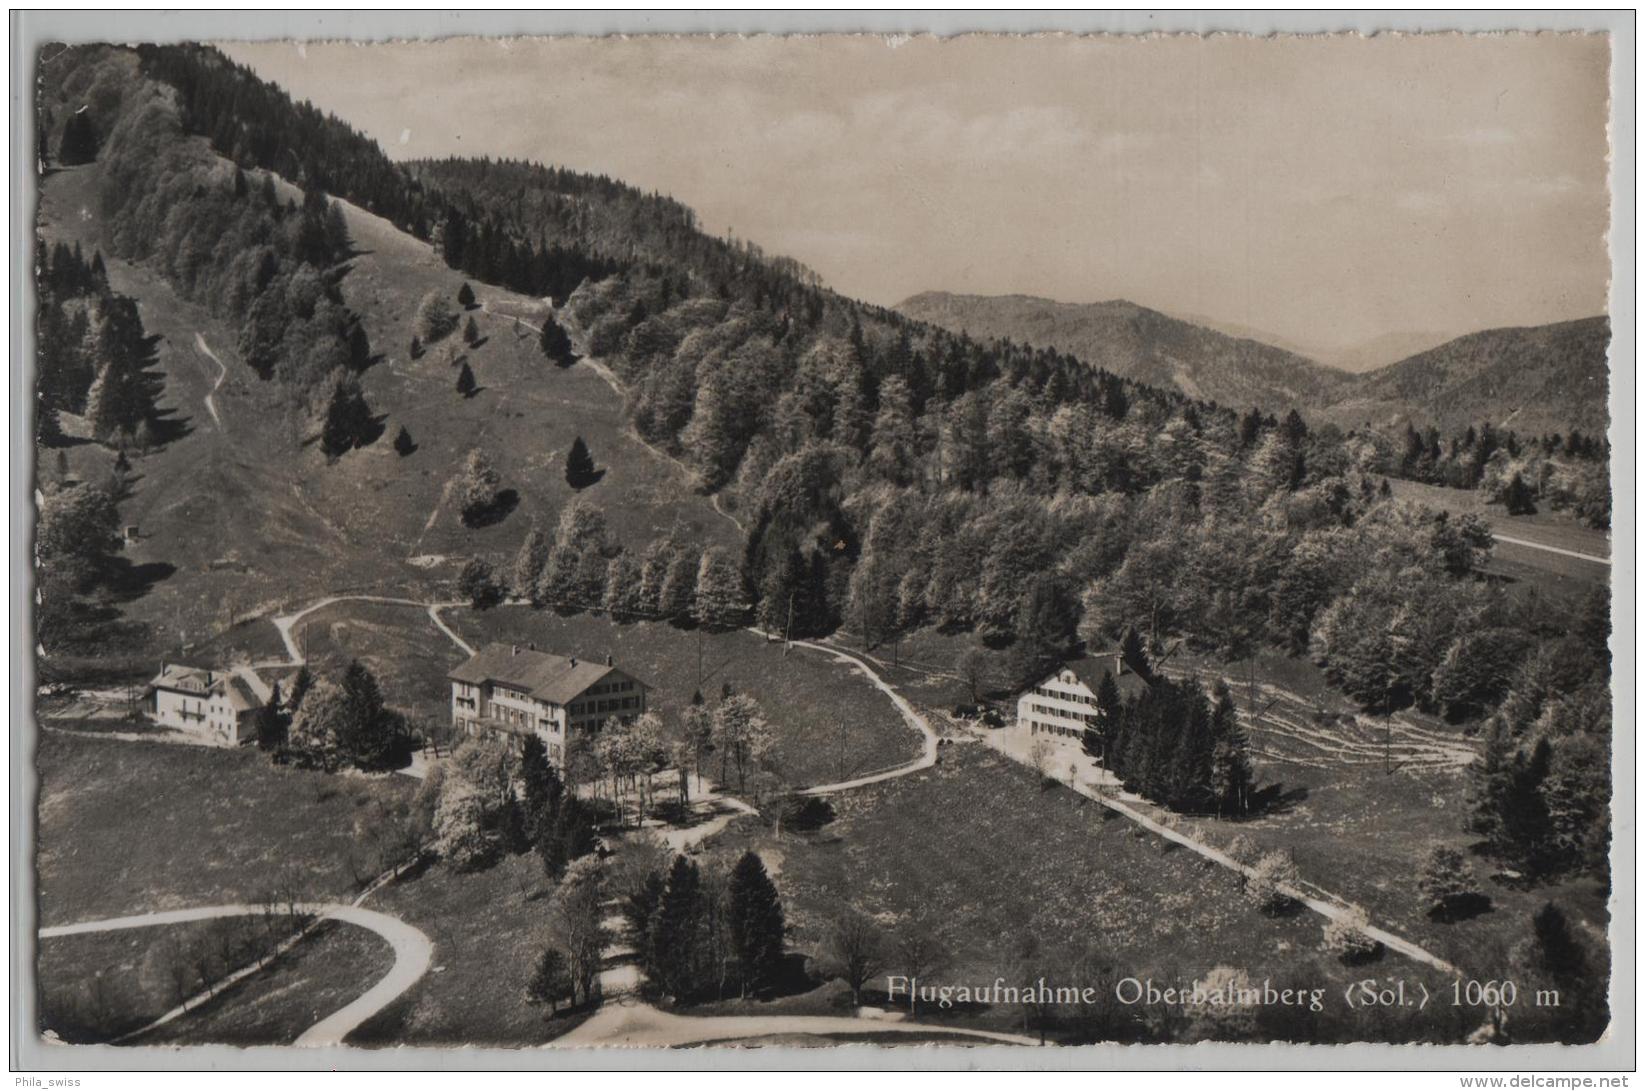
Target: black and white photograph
1007	543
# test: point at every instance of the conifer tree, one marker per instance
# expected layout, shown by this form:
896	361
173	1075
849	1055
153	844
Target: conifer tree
79	142
471	332
556	344
579	465
301	683
1526	828
672	945
1231	779
755	918
270	722
1134	655
348	421
1100	741
540	783
577	836
465	296
551	980
367	732
465	381
403	444
548	837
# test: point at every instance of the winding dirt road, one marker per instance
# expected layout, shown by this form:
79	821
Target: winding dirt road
285	623
413	952
1594	557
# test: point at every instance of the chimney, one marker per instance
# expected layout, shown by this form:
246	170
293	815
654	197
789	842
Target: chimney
608	659
573	661
514	649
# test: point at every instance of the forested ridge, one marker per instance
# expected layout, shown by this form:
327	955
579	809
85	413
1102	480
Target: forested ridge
891	475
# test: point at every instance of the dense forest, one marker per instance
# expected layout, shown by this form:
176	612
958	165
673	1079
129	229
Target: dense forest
270	265
94	358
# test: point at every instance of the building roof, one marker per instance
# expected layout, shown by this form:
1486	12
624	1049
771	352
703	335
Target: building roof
255	683
1090	669
181	676
243	688
241	697
553	678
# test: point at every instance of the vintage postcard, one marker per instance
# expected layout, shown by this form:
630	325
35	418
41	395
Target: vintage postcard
1012	543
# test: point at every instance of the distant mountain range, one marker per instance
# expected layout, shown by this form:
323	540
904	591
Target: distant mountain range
1532	379
1142	344
1535	379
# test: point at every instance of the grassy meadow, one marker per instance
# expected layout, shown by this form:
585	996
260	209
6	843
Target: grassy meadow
488	928
980	852
829	721
319	976
127	827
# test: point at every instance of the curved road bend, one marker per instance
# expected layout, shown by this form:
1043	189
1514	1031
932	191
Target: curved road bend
413	951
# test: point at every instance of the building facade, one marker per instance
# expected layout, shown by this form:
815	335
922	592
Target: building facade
518	691
1062	706
218	707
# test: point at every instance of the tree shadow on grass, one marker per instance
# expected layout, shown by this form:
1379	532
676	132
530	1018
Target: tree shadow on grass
583	481
168	427
1462	907
1363	957
124	581
1284	909
1275	799
495	512
373	431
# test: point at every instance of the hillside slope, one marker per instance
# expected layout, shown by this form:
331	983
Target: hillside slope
239	516
1141	344
1532	380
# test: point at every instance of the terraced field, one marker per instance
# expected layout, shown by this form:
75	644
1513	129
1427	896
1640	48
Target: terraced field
1288	728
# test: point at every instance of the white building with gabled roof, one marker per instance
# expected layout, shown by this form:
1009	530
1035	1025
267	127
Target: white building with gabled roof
1062	706
218	707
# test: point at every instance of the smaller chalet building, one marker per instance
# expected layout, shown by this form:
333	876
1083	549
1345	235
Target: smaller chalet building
218	707
517	692
1063	704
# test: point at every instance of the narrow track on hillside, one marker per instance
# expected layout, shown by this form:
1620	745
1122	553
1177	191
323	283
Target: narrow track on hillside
211	401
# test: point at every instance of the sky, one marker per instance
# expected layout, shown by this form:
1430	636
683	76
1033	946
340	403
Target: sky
1331	194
